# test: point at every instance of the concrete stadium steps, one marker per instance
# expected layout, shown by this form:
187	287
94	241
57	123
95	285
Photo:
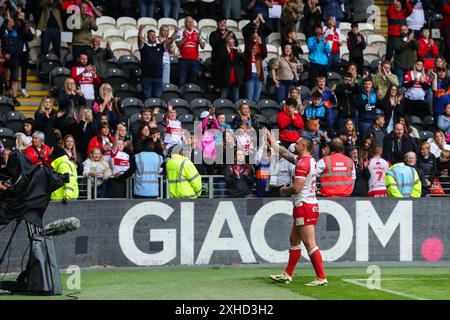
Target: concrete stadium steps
36	90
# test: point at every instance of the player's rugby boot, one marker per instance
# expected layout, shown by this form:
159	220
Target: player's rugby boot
317	283
283	278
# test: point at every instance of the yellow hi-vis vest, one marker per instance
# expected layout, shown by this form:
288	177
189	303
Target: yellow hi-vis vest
70	189
183	178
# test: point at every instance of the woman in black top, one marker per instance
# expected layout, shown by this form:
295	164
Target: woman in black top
392	106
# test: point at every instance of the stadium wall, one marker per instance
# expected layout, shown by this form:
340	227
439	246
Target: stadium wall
129	233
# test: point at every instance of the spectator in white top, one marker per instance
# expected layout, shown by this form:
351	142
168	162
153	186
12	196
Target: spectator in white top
416	20
168	43
173	130
85	75
335	40
438	144
187	42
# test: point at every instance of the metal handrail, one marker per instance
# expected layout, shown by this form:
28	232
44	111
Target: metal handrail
212	188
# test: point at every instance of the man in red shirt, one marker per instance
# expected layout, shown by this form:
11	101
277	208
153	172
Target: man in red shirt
428	49
85	75
187	42
396	17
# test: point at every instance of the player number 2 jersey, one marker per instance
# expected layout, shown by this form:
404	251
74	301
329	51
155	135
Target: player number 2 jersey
306	169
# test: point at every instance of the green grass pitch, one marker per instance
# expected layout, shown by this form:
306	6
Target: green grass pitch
253	283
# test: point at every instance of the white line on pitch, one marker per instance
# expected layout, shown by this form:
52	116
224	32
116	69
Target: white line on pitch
405	279
354	281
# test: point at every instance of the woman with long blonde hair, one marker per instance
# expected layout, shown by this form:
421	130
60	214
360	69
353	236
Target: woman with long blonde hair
96	166
107	104
70	148
47	120
71	99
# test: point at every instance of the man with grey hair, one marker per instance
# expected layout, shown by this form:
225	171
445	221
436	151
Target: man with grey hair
99	56
188	41
39	153
411	161
402	179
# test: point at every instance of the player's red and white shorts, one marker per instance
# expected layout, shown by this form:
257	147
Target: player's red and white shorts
378	194
306	214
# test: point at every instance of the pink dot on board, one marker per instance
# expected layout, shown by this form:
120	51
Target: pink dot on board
432	249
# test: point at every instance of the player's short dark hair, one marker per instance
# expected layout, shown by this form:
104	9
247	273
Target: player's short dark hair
308	143
291	102
337	145
354	25
367	79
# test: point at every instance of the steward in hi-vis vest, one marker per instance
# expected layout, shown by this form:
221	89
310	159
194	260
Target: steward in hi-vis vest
403	181
337	172
182	175
63	165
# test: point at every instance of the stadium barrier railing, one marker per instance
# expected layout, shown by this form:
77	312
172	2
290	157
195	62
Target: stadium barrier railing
213	187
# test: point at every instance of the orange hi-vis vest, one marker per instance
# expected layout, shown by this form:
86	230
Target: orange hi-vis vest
336	180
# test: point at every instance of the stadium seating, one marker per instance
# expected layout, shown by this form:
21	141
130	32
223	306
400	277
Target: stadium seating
115	77
305	92
129	63
131	36
133	118
6	104
268	108
131	105
230	117
125	90
105	22
273	123
224	105
262	120
13	120
7	138
120	48
371	54
366	29
197	106
191	91
126	23
156	103
232	25
57	78
170	91
333	78
46	64
428	123
147	21
425	135
207	26
112	35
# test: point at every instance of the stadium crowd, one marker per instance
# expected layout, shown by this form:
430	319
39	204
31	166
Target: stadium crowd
366	122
